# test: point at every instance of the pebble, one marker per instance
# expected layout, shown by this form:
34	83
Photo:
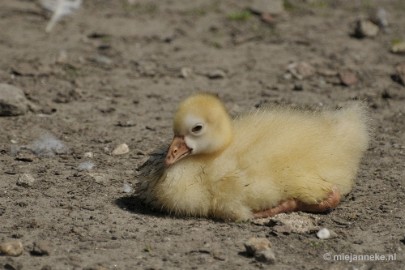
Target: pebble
216	74
256	244
185	72
266	256
26	180
99	178
301	70
12	101
120	150
12	248
88	155
324	233
348	78
365	28
127	188
41	248
398	47
260	248
25	156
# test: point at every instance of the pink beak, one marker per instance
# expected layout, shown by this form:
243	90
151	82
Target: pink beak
178	149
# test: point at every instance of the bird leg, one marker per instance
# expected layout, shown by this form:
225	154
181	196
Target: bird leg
292	205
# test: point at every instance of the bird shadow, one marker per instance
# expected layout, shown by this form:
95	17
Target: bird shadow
133	204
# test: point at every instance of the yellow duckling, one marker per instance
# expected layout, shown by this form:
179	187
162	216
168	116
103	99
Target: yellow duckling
257	165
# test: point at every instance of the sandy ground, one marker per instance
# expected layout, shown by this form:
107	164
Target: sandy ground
114	73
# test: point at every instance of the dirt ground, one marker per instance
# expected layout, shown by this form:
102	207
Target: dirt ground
114	72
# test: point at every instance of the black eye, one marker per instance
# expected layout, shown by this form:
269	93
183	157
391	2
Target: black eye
197	128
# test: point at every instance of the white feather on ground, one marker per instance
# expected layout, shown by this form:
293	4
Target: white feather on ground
59	8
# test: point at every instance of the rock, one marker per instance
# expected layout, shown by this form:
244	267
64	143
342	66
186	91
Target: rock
216	74
255	244
41	248
26	180
260	248
120	150
12	101
365	28
400	73
274	7
127	188
24	155
12	248
348	78
301	70
99	178
324	233
185	72
398	47
88	155
266	256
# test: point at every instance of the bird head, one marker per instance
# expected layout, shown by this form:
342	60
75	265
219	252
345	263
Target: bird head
201	126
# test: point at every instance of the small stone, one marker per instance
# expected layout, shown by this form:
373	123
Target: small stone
12	101
348	78
26	180
185	72
324	233
25	156
12	248
365	28
41	248
255	244
266	256
260	248
88	155
216	74
398	47
301	70
99	178
126	188
120	150
400	75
